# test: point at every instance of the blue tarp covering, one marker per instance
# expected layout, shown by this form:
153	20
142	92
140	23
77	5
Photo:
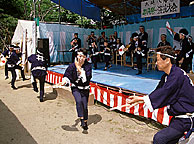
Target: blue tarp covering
127	81
91	11
60	37
88	10
155	28
184	12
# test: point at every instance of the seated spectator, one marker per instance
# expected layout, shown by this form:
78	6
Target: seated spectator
163	41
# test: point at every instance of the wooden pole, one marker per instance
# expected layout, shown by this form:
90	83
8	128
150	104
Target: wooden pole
59	13
81	15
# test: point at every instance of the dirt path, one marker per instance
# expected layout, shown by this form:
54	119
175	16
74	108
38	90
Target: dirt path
24	120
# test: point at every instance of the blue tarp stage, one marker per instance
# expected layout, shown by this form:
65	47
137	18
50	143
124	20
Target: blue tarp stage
121	77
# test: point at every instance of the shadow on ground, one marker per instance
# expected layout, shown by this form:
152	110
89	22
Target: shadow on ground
92	119
25	86
12	131
49	96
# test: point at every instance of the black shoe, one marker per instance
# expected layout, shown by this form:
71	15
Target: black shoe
84	124
13	87
24	79
105	69
139	72
6	77
36	89
41	100
85	127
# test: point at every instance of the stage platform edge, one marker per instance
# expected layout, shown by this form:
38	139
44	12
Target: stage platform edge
66	94
115	98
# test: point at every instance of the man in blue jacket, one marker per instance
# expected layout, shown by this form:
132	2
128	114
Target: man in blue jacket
176	91
38	70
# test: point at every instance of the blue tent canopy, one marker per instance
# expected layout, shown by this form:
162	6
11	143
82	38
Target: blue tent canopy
91	9
81	7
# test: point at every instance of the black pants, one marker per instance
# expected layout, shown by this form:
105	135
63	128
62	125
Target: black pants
41	81
81	98
6	70
139	61
107	60
101	55
174	132
167	136
185	64
95	61
21	69
74	54
13	73
190	63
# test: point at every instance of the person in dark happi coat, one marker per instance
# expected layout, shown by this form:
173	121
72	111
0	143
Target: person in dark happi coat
110	41
163	42
38	70
101	41
95	54
114	42
183	56
143	37
176	91
91	38
75	44
191	52
107	55
7	53
18	66
11	65
78	75
136	46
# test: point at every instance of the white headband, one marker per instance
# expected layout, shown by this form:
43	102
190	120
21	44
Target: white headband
16	48
39	52
183	34
80	53
136	37
166	55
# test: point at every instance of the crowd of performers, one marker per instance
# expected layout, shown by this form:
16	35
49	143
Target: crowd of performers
13	56
175	89
104	49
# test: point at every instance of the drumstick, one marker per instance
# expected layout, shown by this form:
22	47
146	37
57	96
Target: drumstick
127	105
120	107
130	105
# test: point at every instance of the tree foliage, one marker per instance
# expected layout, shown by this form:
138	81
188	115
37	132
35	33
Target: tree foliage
9	13
47	11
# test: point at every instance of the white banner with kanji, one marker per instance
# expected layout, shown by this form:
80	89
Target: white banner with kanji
151	8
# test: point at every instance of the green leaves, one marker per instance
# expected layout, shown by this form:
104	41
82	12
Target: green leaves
47	11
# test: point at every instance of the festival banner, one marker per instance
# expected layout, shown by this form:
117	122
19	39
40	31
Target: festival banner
159	7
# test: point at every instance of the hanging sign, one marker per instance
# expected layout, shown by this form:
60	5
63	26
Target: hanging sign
151	8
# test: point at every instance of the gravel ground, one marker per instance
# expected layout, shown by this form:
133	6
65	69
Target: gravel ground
24	120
